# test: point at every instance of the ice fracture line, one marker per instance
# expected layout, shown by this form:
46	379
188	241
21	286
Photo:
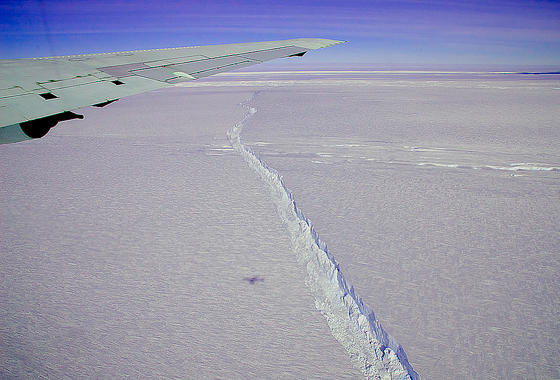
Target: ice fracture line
376	353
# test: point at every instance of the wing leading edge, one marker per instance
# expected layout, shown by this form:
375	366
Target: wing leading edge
37	93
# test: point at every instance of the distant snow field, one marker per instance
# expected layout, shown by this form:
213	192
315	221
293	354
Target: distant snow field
127	238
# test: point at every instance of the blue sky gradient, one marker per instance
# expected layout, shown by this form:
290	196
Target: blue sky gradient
419	32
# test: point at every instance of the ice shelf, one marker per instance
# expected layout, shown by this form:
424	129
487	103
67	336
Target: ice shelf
352	323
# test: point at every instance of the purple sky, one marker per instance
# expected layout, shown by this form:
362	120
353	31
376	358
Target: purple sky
424	32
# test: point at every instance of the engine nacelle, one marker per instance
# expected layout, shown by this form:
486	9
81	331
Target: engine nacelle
33	129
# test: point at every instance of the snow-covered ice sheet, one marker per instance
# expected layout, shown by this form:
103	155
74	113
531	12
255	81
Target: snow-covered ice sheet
125	244
441	203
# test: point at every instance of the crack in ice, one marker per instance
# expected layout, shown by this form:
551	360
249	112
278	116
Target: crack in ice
352	323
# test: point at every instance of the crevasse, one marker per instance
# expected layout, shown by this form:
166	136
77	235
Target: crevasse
376	353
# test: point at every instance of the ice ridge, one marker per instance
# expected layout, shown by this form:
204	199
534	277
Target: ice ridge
377	354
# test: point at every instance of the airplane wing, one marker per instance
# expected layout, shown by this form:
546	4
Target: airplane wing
37	93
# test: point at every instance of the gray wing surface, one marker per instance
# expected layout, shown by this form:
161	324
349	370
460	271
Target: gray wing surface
48	89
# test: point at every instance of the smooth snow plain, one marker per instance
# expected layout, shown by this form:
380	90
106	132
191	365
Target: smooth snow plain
126	236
